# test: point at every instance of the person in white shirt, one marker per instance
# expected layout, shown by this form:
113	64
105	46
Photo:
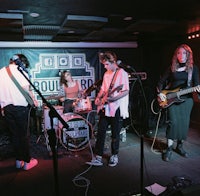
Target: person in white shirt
15	109
112	106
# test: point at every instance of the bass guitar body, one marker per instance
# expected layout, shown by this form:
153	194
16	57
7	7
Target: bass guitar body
171	98
174	96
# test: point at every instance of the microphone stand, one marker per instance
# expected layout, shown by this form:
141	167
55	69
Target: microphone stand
52	136
130	70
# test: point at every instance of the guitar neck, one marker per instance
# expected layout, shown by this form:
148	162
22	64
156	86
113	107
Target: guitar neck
186	91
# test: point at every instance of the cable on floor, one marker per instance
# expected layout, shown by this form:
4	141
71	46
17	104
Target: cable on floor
159	113
81	181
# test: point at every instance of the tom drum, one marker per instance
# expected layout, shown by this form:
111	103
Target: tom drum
82	105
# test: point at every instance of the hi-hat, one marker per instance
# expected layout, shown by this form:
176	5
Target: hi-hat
56	97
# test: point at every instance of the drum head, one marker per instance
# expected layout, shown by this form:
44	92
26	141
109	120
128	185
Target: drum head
77	135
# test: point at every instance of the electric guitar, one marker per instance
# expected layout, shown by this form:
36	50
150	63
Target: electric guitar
103	99
174	96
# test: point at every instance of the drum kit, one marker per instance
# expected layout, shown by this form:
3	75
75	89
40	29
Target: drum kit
81	122
80	130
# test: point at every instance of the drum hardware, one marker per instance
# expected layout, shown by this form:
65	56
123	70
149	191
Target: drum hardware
46	120
46	123
82	105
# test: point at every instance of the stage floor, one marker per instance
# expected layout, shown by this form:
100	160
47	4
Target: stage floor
140	165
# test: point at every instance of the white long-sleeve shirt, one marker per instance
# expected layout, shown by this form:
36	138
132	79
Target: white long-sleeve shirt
122	103
9	93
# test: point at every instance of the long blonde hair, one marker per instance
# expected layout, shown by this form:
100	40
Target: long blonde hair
189	62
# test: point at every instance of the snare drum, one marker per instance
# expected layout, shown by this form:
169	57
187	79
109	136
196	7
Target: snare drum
47	122
82	105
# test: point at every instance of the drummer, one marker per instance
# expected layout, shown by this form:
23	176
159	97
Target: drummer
70	89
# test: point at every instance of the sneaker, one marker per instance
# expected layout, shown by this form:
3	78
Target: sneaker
167	154
96	161
31	164
113	161
19	164
181	151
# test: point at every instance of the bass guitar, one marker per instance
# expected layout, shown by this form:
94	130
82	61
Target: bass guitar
174	96
105	96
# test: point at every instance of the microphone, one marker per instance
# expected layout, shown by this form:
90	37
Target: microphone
127	68
20	64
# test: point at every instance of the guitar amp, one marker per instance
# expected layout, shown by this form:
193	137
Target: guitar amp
136	75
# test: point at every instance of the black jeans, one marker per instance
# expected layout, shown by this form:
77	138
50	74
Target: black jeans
116	123
17	120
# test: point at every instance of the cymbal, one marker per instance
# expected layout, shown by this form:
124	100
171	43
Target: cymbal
56	97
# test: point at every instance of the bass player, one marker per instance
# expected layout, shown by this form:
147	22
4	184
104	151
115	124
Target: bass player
181	74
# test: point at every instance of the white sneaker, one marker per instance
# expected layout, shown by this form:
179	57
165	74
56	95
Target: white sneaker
96	161
113	161
19	164
31	164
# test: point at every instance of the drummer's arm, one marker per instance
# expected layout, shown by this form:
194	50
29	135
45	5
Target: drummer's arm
80	90
62	99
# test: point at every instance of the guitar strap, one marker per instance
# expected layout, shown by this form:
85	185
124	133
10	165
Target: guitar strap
26	95
189	82
113	80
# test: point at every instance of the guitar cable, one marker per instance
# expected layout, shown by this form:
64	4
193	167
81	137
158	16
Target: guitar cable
159	113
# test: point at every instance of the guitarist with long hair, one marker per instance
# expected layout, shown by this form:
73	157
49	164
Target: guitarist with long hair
112	106
175	94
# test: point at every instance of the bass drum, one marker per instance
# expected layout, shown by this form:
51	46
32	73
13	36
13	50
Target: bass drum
78	134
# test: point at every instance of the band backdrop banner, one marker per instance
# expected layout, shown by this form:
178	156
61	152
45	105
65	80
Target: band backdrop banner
47	64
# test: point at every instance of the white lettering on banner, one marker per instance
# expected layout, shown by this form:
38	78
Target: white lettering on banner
45	75
52	84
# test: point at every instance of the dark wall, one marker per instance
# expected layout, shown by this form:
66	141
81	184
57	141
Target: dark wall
155	57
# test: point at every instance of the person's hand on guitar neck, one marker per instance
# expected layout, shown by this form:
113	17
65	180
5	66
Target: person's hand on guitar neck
197	89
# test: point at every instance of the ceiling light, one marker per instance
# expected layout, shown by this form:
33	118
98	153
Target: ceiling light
34	15
128	18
